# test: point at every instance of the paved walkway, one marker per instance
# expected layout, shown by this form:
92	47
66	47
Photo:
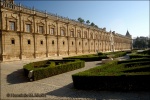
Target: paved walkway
13	83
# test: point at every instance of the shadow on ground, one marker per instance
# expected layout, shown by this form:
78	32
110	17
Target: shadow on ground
69	92
17	77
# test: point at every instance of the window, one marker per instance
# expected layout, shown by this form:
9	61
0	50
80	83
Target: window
63	42
52	42
29	42
85	34
62	33
12	26
85	43
79	43
12	41
72	34
52	31
96	36
41	29
28	27
41	42
79	34
91	35
72	42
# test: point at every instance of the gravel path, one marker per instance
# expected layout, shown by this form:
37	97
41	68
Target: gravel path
13	83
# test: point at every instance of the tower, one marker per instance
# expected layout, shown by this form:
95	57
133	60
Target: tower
128	34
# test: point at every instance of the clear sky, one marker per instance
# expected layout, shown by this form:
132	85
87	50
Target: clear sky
116	16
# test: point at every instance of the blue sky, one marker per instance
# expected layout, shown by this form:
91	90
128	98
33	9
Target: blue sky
116	16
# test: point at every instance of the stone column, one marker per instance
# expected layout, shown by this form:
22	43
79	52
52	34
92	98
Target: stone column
82	40
68	37
76	39
88	40
46	37
34	36
57	39
20	37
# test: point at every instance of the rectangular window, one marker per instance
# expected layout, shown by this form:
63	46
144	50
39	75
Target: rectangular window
72	34
29	42
13	41
79	34
62	32
85	35
28	27
52	31
41	29
12	26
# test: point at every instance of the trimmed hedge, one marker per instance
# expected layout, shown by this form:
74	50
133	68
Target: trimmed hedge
126	76
138	56
88	58
145	52
116	54
99	56
50	70
134	60
113	83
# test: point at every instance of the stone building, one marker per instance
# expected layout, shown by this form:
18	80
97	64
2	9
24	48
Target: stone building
27	33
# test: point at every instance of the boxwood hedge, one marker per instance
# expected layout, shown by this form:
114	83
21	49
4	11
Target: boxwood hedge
116	76
47	68
88	57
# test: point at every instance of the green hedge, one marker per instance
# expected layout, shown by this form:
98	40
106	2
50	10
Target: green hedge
134	60
88	58
145	52
117	54
138	56
114	76
50	70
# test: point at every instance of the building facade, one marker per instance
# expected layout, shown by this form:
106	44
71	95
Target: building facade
27	33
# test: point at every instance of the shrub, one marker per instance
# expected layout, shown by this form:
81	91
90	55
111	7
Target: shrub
88	57
138	56
52	68
115	76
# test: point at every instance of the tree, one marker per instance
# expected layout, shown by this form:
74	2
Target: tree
81	20
88	22
92	24
140	43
